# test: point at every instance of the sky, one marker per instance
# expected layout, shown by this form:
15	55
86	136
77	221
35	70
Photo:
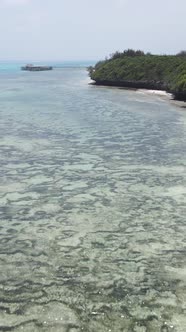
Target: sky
89	29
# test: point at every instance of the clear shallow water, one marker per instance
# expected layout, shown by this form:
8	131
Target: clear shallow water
92	196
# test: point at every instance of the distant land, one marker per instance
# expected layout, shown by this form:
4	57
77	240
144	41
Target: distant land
135	69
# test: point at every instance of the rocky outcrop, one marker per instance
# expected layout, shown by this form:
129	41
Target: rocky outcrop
179	96
150	85
144	71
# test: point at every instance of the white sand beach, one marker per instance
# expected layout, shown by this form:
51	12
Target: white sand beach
155	92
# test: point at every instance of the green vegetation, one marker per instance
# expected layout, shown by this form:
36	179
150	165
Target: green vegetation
167	72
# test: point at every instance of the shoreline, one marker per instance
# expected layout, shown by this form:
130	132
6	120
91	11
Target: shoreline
142	85
158	93
163	94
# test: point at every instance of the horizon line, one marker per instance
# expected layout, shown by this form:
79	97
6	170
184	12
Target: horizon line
53	60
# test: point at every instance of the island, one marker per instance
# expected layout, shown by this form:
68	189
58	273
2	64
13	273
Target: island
31	67
135	69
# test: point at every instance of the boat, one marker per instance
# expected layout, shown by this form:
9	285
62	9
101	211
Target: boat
30	67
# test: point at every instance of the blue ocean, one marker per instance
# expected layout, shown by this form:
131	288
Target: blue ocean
92	205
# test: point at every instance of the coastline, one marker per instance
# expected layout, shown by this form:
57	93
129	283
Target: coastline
153	88
158	93
137	70
164	94
161	93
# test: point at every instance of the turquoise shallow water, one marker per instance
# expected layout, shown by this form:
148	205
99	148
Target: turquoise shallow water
8	67
92	207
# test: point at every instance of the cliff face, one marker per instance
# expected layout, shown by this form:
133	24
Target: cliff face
133	84
179	96
166	73
150	85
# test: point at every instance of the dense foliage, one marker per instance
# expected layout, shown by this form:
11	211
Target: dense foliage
168	71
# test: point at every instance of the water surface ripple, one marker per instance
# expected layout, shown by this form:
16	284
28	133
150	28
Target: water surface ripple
93	206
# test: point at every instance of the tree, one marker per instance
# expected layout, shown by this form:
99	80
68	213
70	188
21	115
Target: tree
181	53
131	52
